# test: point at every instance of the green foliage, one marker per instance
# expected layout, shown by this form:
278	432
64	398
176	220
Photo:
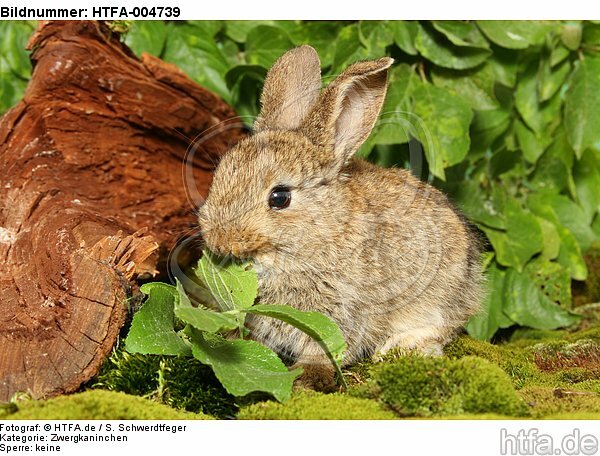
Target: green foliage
168	324
506	113
15	68
424	386
152	330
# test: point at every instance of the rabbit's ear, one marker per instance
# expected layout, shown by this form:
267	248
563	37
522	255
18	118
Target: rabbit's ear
291	89
349	108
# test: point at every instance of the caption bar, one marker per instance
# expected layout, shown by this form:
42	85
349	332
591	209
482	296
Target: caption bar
56	437
95	12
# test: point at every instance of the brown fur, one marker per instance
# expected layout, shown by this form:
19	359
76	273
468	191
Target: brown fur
382	253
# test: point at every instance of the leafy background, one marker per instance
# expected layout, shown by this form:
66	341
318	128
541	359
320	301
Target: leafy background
502	115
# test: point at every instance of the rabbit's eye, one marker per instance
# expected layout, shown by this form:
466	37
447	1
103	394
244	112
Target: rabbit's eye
280	197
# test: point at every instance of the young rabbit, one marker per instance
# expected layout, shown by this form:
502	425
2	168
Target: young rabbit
383	254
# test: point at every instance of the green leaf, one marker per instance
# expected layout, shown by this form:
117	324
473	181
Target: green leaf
552	173
504	64
208	28
521	240
443	126
348	49
319	35
558	55
526	99
15	35
586	174
265	44
569	214
514	34
462	33
375	36
147	36
571	36
152	329
552	79
531	145
11	87
436	48
551	238
239	30
199	56
245	83
570	255
395	122
591	33
200	318
473	201
243	366
233	285
527	305
552	279
582	106
475	86
404	33
319	327
491	317
487	127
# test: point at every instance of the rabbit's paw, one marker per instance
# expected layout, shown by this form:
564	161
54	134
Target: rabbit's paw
405	345
318	377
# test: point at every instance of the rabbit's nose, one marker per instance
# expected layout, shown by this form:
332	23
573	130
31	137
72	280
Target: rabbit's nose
237	249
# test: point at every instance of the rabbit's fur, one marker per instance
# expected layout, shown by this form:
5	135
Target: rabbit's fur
384	254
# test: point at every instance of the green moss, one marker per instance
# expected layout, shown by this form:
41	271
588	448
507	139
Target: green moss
588	333
425	386
97	405
182	383
561	354
317	406
514	360
467	346
545	402
529	334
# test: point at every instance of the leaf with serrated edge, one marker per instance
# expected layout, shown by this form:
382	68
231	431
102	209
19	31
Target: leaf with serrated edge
152	329
243	366
233	285
202	319
582	106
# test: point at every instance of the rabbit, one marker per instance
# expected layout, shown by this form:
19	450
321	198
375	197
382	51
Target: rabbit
382	253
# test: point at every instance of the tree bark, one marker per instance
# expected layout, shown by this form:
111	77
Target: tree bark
91	197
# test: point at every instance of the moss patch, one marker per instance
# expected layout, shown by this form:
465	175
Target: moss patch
425	386
317	406
546	402
182	383
552	356
95	405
